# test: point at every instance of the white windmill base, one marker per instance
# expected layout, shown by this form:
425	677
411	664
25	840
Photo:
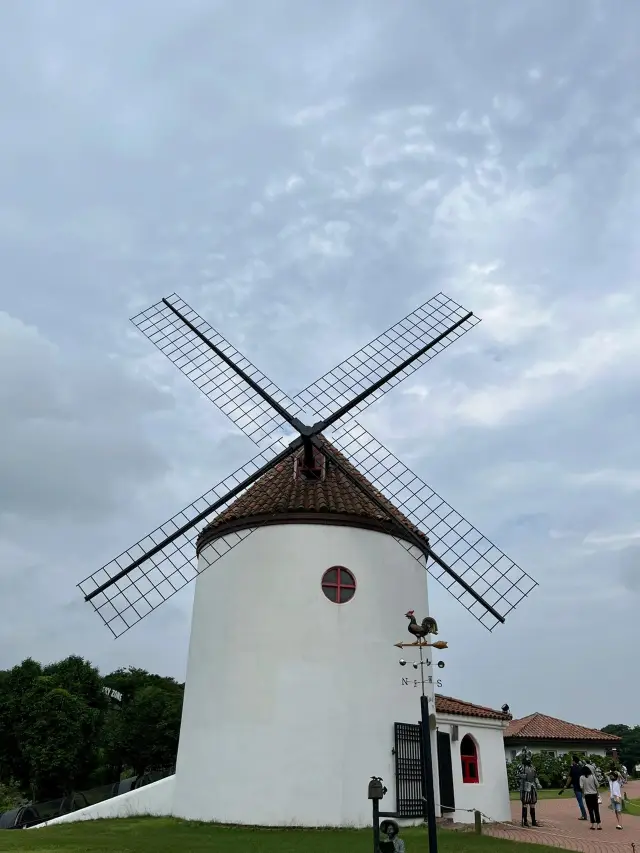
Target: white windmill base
291	699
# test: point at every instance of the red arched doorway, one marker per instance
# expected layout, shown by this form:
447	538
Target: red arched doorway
469	759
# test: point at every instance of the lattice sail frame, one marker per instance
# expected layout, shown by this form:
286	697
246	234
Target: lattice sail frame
149	585
242	405
215	379
496	577
388	350
465	549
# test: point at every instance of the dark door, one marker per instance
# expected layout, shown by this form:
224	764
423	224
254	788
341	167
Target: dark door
445	772
408	756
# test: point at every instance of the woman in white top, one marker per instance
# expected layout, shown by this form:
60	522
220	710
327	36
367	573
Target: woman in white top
589	788
615	792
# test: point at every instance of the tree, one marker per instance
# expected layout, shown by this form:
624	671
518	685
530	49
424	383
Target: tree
629	748
16	685
128	681
618	729
148	728
50	722
52	738
83	681
59	731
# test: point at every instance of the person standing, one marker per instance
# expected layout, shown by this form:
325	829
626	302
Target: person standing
615	793
596	772
529	785
573	779
589	788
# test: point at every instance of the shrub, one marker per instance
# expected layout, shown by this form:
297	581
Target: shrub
553	770
10	796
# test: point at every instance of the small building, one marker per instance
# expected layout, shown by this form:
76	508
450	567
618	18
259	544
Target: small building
474	776
541	733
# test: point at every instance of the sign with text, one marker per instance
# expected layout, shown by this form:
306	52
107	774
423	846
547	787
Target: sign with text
416	682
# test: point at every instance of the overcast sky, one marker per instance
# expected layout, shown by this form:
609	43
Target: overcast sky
304	174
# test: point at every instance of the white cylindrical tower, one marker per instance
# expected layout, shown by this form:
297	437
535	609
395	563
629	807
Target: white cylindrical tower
293	684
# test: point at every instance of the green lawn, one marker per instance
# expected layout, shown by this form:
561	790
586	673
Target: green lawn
164	835
633	807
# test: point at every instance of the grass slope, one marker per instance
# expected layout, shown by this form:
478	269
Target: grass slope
633	807
164	835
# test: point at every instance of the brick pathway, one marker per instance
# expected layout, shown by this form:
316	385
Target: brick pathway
560	827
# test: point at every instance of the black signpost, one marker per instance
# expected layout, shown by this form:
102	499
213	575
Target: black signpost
427	777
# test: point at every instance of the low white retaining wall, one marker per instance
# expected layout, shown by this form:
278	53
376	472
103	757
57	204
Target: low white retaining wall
154	799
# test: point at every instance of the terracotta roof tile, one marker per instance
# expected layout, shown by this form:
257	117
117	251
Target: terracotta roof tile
279	493
448	705
540	727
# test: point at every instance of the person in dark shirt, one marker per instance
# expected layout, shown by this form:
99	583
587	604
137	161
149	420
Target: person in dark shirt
573	779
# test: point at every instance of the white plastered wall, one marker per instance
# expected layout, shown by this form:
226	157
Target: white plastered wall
491	794
290	699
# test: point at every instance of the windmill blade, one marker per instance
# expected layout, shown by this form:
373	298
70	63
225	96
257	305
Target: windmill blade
338	387
454	541
182	343
144	576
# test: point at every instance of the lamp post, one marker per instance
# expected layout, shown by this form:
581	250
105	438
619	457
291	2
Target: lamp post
427	754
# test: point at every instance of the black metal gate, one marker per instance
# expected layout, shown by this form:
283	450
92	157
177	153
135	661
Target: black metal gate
445	773
408	754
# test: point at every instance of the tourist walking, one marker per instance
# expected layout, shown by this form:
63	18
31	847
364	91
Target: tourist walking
615	793
529	785
573	779
589	788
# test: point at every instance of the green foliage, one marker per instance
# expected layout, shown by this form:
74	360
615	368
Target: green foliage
128	681
552	770
629	749
51	735
14	688
149	727
59	731
10	796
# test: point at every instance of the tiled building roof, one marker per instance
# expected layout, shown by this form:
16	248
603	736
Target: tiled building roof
540	727
278	494
448	705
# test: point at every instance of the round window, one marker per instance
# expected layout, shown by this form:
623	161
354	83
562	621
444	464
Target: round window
338	584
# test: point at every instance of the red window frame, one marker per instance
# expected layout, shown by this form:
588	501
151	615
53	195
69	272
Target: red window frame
469	761
344	591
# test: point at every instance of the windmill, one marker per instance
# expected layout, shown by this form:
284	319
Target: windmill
304	480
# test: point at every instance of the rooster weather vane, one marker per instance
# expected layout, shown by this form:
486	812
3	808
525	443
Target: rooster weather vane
423	629
466	563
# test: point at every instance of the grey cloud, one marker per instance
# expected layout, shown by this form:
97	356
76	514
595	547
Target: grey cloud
72	432
629	566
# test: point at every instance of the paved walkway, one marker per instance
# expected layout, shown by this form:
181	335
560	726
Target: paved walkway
560	827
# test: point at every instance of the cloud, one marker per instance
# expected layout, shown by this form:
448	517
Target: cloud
305	176
76	427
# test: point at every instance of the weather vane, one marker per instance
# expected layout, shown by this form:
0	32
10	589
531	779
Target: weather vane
422	630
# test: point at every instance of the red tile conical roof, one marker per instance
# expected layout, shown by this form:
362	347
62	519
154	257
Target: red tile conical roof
281	497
